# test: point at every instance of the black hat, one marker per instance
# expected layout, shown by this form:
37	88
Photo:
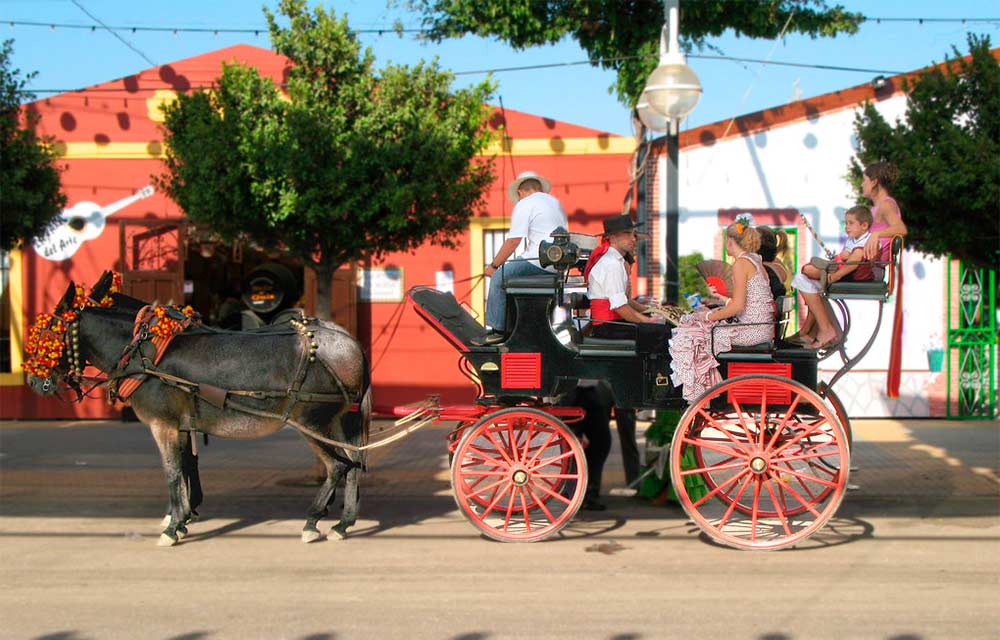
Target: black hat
616	224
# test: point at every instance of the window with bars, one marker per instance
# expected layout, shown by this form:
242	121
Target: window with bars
492	240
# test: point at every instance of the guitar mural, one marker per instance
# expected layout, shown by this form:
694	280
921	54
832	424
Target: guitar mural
81	222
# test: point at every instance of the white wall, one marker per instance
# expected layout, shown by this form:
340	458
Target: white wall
803	165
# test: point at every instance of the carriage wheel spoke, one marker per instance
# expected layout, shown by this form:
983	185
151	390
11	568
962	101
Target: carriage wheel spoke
540	503
784	420
721	488
780	511
486	488
524	509
553	494
500	448
763	417
732	505
545	445
718	448
510	507
477	473
739	417
806	476
487	459
755	511
513	447
795	494
550	461
797	438
718	467
725	432
527	440
556	476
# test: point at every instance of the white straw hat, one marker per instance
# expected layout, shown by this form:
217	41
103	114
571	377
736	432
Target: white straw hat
526	175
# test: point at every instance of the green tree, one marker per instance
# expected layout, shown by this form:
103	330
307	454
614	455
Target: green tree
947	148
352	164
624	36
30	190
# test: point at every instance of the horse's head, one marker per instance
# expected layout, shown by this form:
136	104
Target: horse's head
53	348
49	344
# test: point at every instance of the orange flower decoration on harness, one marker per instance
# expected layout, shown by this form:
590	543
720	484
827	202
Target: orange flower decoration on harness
46	339
45	343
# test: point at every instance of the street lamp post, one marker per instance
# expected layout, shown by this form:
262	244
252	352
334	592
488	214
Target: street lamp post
671	92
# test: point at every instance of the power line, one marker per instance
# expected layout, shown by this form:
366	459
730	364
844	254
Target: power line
175	30
533	67
114	33
256	31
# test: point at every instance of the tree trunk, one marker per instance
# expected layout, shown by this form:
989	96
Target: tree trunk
324	290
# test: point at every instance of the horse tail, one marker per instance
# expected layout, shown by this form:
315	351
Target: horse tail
365	406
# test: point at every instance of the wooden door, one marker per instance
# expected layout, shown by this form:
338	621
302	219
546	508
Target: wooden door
151	253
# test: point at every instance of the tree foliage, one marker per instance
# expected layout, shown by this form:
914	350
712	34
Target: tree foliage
353	163
947	148
30	190
624	36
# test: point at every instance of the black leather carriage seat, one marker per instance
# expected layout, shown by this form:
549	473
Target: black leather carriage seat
450	318
873	289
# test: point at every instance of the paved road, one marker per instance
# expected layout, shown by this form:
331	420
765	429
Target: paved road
913	553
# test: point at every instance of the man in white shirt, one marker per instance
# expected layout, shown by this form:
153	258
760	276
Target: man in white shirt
536	214
608	282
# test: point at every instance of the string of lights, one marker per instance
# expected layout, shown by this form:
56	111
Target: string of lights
256	31
551	65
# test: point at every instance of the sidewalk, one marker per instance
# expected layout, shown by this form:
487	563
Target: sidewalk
893	459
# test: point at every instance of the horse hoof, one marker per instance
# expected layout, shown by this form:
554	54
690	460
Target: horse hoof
181	534
166	541
338	533
311	535
166	521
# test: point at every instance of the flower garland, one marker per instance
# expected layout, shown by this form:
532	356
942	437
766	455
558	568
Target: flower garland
166	322
46	339
45	343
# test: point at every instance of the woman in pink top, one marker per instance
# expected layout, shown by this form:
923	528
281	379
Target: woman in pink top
876	185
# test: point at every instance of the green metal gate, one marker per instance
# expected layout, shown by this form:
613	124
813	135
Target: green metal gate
972	340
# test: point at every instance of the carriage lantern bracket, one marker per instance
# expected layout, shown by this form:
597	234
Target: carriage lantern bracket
561	253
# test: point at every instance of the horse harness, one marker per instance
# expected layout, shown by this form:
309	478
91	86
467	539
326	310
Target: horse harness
141	356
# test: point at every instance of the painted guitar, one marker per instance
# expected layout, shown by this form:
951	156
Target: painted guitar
81	222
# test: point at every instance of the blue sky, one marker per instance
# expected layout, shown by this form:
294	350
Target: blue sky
72	58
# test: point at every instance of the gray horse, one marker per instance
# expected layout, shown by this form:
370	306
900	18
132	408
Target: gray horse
311	375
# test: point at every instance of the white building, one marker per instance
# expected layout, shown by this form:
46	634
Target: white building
792	161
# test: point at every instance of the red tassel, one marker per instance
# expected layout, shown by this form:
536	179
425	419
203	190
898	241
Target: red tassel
896	347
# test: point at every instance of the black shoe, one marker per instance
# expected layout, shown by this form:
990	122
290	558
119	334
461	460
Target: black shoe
592	503
491	338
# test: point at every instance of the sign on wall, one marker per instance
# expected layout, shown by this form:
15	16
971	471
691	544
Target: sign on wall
81	222
381	284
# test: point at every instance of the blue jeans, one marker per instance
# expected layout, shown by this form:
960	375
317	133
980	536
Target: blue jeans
496	304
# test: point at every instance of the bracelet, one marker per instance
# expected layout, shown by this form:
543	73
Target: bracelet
494	266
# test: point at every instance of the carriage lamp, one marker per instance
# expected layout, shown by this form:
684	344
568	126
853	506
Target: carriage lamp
561	253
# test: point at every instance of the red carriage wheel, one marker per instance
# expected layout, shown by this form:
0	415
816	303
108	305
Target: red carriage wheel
519	475
775	462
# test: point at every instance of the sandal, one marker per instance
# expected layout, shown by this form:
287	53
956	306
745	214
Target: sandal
798	338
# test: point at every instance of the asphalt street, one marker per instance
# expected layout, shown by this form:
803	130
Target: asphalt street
912	553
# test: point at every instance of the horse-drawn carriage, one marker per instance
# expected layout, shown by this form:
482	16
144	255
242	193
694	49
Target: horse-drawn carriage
761	460
758	461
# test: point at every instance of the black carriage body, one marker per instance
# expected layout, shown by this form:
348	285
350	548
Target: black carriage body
533	365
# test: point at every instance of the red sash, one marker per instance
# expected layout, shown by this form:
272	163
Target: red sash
600	309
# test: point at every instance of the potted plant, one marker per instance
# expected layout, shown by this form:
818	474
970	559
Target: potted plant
935	353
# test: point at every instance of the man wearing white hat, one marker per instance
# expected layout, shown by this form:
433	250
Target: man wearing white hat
536	215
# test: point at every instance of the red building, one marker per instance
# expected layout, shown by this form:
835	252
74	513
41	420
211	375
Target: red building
110	139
